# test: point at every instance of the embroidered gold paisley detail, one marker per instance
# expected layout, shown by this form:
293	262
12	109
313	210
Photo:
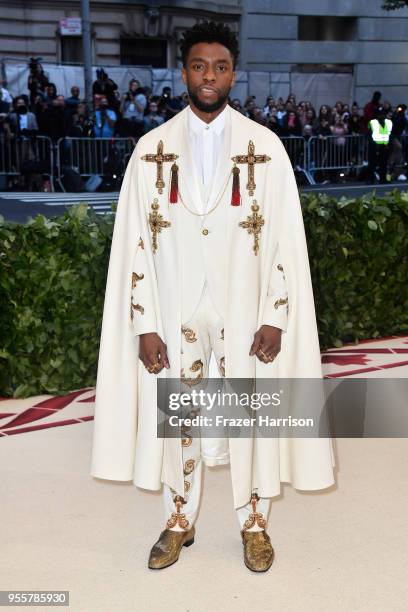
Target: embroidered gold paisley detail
187	486
189	466
280	302
222	366
280	268
137	307
185	431
189	334
196	367
186	441
135	278
141	243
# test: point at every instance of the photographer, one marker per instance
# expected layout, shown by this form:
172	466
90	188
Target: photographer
132	107
106	87
37	80
105	120
170	105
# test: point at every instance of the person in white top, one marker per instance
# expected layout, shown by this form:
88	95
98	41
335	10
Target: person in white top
208	261
6	96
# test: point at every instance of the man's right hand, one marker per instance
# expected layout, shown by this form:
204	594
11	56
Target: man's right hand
153	352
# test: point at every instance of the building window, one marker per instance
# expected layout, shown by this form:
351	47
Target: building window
71	49
144	52
327	28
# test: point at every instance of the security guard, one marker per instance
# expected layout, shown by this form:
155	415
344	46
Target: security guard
378	147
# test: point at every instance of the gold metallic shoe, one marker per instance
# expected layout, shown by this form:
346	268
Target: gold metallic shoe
258	550
167	549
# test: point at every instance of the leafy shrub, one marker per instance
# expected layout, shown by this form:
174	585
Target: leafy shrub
358	252
53	276
52	285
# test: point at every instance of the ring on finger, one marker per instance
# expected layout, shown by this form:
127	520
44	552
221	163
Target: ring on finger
153	368
268	358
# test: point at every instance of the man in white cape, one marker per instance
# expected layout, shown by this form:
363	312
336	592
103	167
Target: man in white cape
208	257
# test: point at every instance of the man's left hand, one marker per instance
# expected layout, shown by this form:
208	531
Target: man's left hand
267	343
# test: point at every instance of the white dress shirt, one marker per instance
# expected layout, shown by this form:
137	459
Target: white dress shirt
23	121
205	143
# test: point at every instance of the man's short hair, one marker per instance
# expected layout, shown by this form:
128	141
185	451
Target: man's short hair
209	32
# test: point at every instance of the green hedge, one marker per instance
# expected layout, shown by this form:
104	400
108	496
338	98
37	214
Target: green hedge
358	252
52	284
53	274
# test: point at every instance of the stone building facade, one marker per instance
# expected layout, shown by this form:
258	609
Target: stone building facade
301	45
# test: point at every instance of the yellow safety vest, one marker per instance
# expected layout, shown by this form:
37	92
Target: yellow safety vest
381	133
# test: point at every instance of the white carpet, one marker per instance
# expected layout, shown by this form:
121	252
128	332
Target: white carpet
340	550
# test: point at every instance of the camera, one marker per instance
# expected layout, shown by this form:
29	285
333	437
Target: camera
33	63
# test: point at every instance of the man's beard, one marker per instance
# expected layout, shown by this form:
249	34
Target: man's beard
205	107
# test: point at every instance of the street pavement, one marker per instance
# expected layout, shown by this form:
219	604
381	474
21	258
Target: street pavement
19	206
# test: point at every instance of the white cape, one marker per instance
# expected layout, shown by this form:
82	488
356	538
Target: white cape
125	444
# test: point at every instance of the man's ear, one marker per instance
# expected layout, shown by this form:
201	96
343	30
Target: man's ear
234	78
184	75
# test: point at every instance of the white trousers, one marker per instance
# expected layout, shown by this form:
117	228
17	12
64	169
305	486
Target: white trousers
203	335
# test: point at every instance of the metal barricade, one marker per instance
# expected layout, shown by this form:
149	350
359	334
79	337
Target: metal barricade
26	155
398	155
336	153
296	149
93	156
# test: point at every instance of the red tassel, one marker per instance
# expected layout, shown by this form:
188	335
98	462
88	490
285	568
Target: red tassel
236	196
174	184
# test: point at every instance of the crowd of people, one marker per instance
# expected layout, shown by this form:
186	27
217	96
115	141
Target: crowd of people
138	110
45	111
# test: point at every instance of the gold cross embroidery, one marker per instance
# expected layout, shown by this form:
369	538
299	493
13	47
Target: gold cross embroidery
251	159
253	225
159	158
156	223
